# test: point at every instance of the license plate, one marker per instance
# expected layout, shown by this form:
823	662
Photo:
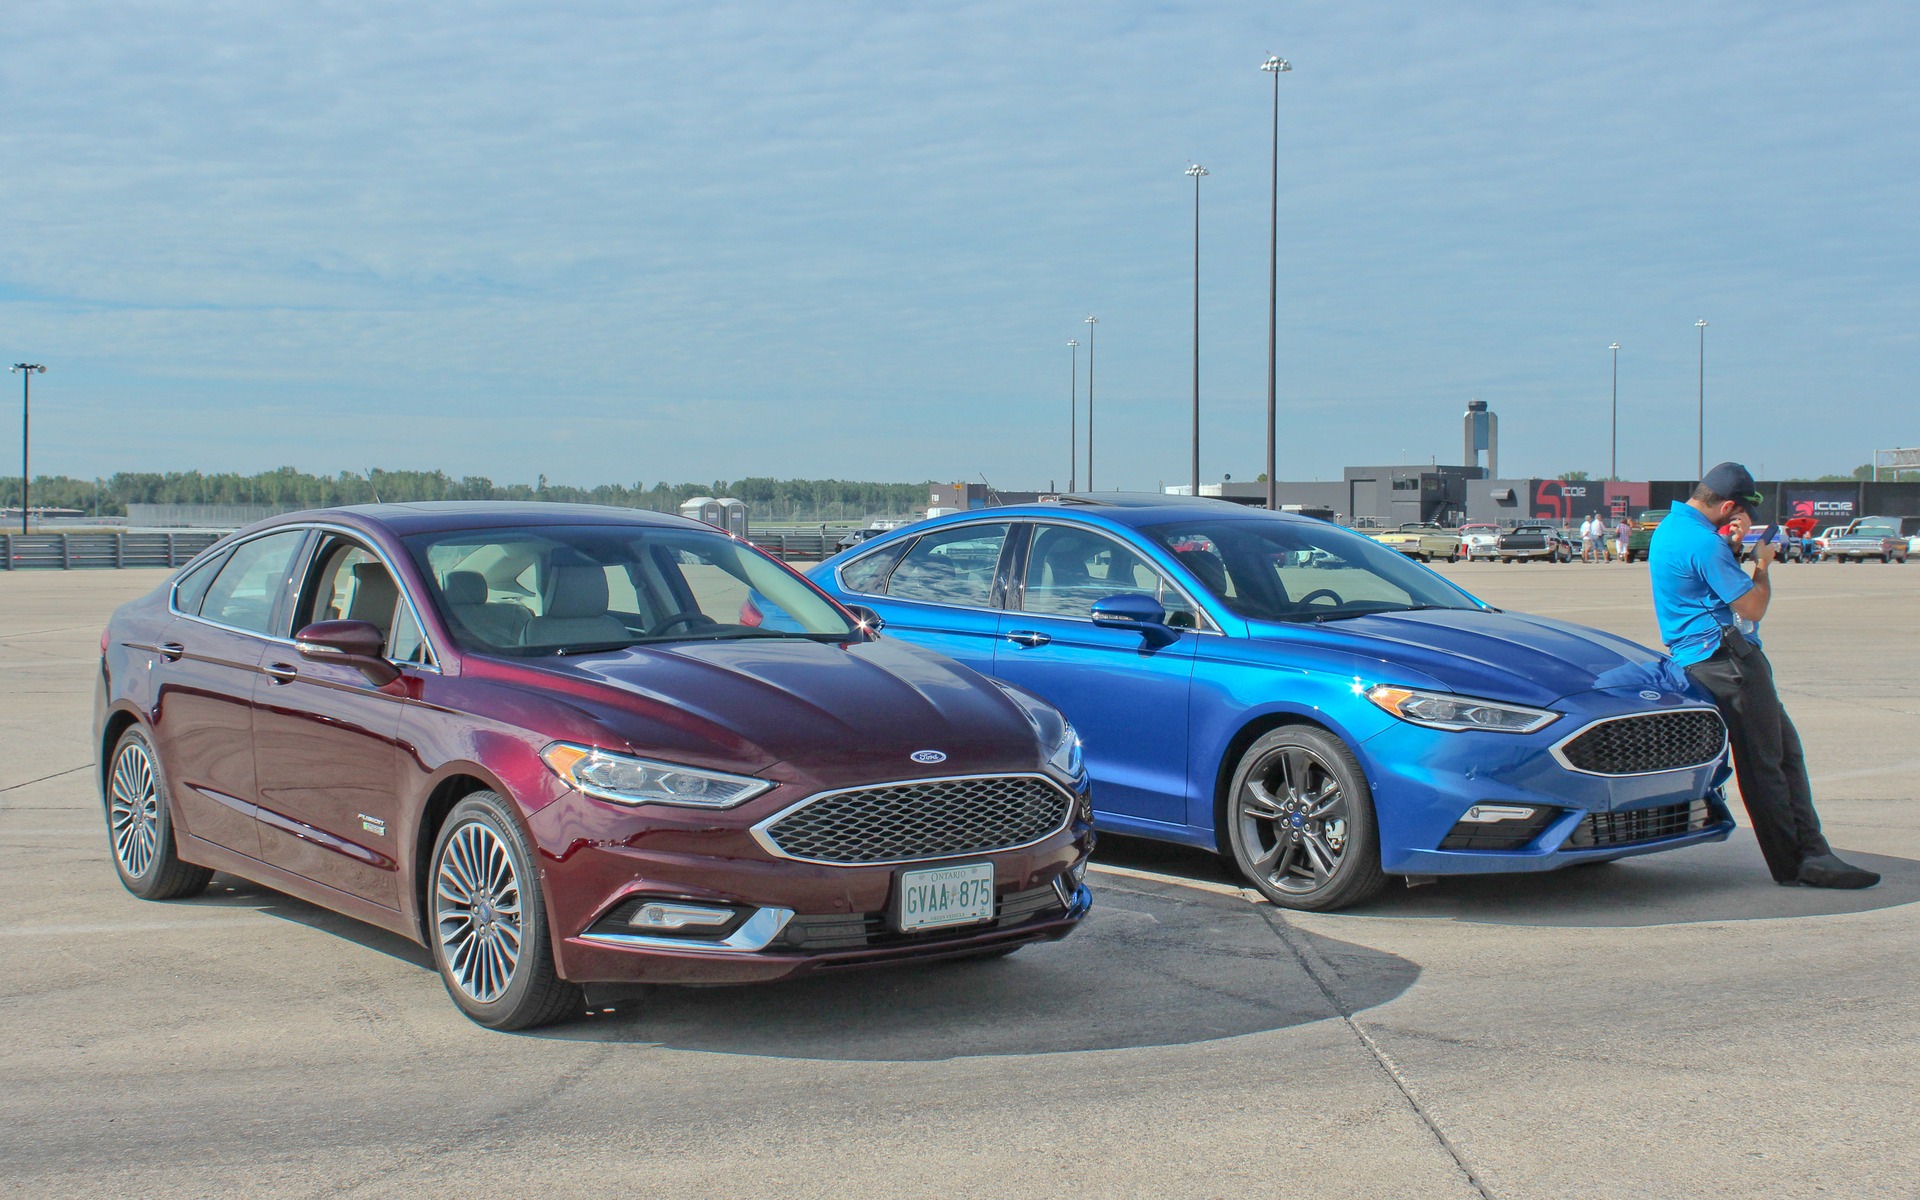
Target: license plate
936	897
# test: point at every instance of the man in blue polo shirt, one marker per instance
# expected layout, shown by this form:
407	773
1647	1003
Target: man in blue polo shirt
1710	611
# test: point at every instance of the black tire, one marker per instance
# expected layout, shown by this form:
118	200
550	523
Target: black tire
140	824
1293	857
481	854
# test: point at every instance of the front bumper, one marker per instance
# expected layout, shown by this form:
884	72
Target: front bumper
798	917
1425	780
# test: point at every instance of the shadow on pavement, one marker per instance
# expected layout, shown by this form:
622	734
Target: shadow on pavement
231	891
1721	881
1154	965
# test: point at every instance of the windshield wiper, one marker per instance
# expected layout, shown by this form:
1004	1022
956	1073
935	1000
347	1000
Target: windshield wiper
592	648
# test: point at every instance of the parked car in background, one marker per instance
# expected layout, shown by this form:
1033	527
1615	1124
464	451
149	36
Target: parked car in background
1534	540
1787	545
1868	537
1479	541
1421	541
539	740
872	531
1641	535
1301	699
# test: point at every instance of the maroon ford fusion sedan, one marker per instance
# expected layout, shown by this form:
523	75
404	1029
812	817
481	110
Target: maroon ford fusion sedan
564	744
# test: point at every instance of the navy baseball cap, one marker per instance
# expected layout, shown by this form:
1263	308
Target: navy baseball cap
1735	482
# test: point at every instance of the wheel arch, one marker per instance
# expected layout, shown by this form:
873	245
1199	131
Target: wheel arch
1250	732
455	783
118	721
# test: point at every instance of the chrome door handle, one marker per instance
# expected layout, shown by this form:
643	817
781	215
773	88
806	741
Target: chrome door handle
171	651
1029	637
279	672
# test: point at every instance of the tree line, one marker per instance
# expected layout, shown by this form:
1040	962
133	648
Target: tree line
769	499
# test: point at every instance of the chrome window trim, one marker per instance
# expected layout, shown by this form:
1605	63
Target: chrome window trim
755	934
1559	754
760	834
360	537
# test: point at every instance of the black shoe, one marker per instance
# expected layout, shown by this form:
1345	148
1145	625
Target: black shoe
1831	871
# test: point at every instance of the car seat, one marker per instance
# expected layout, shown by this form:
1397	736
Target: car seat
573	607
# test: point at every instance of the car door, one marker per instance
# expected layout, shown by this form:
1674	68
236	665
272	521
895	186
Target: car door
1126	694
327	741
941	592
210	660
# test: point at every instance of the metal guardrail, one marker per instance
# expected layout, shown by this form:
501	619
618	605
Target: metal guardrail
799	544
71	551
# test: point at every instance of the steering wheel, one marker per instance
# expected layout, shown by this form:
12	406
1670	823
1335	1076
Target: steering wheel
689	618
1329	593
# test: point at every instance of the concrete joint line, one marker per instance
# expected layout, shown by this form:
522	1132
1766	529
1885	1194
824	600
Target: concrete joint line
57	774
1305	957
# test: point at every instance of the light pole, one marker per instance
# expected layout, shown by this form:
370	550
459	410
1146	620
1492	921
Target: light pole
1613	456
1273	66
1700	459
1090	322
1198	173
26	371
1073	412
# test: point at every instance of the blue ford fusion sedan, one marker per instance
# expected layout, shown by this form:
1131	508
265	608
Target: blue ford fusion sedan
1314	706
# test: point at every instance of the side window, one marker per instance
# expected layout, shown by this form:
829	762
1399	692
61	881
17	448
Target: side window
1068	569
191	590
408	644
350	584
245	591
869	572
952	566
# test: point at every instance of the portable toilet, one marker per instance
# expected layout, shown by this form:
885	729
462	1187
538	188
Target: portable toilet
734	516
705	509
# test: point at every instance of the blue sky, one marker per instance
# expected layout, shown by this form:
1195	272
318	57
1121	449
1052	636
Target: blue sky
607	242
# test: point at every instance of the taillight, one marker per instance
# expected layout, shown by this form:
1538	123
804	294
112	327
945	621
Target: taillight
750	614
106	637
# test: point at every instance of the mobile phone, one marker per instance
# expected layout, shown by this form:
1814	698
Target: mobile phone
1768	534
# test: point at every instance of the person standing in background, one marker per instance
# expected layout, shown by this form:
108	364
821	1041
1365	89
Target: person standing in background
1621	533
1709	612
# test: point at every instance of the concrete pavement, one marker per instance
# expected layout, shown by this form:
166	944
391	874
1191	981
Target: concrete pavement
1668	1026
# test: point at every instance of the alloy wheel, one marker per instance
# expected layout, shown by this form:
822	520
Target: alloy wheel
477	911
1293	820
133	809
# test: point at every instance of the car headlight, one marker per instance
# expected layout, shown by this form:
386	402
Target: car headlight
1443	710
622	779
1064	753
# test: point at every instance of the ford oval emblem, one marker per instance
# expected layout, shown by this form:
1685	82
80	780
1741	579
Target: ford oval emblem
927	756
1649	695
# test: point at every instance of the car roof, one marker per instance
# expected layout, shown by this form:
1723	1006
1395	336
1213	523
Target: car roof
439	516
1135	509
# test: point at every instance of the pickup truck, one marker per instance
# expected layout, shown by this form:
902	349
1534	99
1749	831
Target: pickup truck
1868	537
1533	541
1421	542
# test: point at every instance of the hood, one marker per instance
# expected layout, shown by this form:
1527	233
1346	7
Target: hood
781	700
1495	655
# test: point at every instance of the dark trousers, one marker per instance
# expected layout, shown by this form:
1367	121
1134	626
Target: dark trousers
1767	758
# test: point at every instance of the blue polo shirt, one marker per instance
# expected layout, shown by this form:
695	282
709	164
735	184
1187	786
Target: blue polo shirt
1695	582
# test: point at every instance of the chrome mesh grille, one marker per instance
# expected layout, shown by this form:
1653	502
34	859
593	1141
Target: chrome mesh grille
1662	741
930	819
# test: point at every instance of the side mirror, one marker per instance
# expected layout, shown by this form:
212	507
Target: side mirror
870	622
351	644
1142	614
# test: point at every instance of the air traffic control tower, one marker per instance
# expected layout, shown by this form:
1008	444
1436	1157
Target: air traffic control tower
1483	433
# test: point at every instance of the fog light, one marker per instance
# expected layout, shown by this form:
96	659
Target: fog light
1488	814
672	918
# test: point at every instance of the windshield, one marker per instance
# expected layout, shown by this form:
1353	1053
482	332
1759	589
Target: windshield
578	589
1277	570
